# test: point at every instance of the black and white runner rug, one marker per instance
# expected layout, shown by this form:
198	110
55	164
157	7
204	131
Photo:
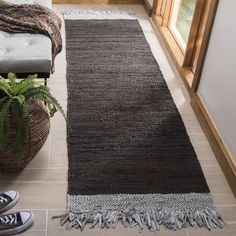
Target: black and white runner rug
130	158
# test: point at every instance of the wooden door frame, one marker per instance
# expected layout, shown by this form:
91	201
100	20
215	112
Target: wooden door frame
198	40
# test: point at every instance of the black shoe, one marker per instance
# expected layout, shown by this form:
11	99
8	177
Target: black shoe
8	200
16	222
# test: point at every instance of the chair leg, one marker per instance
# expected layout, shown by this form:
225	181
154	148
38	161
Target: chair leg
45	84
45	81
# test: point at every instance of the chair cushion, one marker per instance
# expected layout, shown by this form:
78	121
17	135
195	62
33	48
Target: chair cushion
25	53
22	53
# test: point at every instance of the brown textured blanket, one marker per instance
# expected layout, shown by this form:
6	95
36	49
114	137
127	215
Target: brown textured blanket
34	19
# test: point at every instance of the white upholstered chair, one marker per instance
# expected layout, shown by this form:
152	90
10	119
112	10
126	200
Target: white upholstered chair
25	53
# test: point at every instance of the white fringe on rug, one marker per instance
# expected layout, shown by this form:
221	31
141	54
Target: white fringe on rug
98	15
173	211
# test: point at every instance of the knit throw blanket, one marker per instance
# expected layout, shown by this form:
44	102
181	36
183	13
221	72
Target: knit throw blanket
34	19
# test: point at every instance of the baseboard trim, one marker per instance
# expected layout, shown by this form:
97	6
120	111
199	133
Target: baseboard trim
148	7
98	1
223	157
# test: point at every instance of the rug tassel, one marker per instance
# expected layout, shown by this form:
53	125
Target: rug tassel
208	218
93	14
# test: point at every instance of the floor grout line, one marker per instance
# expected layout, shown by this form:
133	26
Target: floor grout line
231	223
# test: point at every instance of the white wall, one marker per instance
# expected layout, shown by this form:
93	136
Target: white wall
218	83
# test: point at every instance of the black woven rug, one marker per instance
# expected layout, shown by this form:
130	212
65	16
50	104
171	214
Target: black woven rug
130	158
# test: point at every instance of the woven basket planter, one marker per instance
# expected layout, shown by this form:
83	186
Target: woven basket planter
12	160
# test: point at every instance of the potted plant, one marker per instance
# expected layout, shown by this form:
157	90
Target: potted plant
25	111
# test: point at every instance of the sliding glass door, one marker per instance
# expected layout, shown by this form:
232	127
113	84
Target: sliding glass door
181	20
185	26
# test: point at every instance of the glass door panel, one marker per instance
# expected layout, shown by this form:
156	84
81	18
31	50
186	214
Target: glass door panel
181	20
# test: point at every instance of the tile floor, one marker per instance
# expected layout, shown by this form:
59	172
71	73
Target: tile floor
43	184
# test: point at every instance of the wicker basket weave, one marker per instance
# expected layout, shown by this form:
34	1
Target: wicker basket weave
37	135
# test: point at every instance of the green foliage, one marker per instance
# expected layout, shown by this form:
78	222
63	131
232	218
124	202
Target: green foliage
14	107
185	17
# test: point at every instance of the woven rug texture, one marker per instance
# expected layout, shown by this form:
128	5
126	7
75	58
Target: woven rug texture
130	157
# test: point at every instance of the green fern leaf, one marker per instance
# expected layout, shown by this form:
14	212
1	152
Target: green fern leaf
5	87
20	98
43	93
14	107
26	84
12	82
